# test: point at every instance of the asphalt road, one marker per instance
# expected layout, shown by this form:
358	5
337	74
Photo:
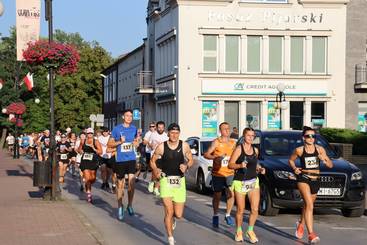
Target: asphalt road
146	227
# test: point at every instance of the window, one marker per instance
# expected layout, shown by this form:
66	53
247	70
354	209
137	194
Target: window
231	111
210	53
296	115
232	53
318	114
253	114
318	55
297	51
253	53
275	54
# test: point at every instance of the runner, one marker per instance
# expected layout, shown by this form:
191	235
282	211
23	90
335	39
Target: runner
73	165
220	151
24	146
175	158
138	154
148	151
62	149
125	138
90	148
44	146
156	138
244	161
10	140
106	167
78	159
308	178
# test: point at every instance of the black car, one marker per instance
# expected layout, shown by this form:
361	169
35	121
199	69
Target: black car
342	186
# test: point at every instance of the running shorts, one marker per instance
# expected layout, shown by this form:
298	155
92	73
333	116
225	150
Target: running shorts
122	168
220	183
173	187
245	186
314	184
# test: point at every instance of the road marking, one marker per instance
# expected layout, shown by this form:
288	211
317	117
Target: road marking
285	228
349	228
190	196
269	224
200	200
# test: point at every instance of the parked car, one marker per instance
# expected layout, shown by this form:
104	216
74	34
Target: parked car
342	186
199	175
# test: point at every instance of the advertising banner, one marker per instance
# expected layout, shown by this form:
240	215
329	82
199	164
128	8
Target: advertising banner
273	116
27	23
209	118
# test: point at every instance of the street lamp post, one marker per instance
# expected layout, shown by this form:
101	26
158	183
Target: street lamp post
55	193
280	102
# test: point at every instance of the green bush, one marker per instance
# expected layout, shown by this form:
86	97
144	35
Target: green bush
349	136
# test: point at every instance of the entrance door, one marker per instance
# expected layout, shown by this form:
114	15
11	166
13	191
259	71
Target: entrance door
296	115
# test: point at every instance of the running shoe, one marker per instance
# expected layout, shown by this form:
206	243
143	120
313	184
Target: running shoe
130	210
300	229
121	213
89	197
252	236
313	238
229	220
151	187
174	224
156	192
171	240
238	237
215	221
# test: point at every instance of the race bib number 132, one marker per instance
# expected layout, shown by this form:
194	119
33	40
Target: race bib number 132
174	181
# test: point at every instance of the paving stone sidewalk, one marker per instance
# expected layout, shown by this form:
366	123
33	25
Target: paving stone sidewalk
26	219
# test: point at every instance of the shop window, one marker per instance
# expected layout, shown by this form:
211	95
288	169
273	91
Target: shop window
231	113
297	54
275	54
210	53
296	115
318	55
232	53
318	114
253	114
362	116
253	53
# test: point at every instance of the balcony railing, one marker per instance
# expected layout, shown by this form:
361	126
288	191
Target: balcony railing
360	77
145	83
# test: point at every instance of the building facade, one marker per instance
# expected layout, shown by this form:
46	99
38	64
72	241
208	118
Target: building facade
222	60
356	79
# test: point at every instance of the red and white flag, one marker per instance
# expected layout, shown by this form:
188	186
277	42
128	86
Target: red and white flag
28	80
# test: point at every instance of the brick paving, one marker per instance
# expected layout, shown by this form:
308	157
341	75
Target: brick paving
26	219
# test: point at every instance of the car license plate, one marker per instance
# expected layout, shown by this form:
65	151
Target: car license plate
329	192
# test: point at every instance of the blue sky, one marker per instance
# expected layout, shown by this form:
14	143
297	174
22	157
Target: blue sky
118	25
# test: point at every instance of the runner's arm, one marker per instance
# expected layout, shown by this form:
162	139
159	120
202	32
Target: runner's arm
235	155
112	143
157	154
209	153
98	149
188	154
292	160
324	157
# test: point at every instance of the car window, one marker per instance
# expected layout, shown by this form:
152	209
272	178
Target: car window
204	145
284	145
190	142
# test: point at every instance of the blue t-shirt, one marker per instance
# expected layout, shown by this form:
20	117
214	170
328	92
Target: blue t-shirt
125	151
25	141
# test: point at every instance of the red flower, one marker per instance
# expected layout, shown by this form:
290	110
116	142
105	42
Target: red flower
63	56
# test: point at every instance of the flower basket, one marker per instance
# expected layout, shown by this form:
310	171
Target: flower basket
63	57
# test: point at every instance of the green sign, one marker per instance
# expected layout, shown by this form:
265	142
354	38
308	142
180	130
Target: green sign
209	118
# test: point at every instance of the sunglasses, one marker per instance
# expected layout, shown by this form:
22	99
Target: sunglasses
152	126
310	136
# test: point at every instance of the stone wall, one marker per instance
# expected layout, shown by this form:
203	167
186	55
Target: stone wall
347	153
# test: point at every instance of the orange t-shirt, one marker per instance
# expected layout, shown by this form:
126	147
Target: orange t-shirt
224	149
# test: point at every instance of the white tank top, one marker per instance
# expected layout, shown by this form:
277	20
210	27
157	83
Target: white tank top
104	140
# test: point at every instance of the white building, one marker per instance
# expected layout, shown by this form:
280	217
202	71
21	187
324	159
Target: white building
222	60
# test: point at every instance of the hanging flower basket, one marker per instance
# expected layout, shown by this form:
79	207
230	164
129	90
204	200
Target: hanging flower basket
63	57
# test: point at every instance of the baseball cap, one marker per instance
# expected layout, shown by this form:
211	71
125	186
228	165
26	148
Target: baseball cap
174	126
90	131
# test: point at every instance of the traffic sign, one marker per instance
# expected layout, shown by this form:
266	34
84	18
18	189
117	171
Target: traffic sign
136	114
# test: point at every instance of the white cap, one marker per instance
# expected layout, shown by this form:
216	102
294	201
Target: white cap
68	130
90	131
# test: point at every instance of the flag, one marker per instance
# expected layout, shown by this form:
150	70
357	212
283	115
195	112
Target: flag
28	80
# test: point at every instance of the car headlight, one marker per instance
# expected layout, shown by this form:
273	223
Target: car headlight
284	175
356	176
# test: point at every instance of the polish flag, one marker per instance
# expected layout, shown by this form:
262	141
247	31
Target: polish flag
28	80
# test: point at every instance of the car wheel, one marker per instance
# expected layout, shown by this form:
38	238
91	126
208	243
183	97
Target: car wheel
266	203
200	183
357	212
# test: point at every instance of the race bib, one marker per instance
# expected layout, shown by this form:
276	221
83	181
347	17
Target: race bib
126	147
248	185
225	161
174	181
64	156
311	162
88	156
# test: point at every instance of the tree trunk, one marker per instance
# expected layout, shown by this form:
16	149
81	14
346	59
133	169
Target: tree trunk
3	136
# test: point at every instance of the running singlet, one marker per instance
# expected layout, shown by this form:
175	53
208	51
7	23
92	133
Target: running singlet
310	160
125	151
249	172
62	150
104	140
25	141
171	160
224	149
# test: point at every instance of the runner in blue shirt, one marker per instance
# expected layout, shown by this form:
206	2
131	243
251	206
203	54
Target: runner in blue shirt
124	138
